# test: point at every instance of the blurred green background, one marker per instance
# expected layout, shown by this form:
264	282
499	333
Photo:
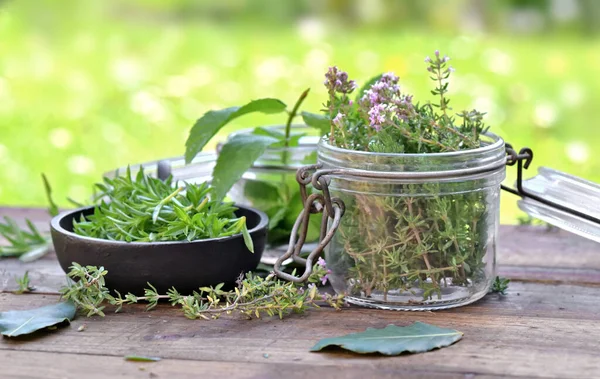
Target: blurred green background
87	86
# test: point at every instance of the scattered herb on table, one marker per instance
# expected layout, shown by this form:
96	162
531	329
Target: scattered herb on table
28	243
16	323
420	241
24	284
254	296
500	285
146	209
139	358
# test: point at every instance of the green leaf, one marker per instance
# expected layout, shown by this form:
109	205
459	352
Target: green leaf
394	340
138	358
317	121
367	86
16	323
247	238
212	121
237	155
277	216
270	132
52	207
262	195
35	253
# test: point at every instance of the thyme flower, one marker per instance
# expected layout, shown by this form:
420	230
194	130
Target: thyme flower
336	81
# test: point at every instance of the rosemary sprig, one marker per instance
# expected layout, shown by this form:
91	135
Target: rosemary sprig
253	297
146	209
28	243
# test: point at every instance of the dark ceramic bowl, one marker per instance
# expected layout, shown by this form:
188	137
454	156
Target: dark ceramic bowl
183	265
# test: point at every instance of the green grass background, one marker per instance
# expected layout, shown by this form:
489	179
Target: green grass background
82	92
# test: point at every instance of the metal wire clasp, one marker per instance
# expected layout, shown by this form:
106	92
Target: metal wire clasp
522	160
332	209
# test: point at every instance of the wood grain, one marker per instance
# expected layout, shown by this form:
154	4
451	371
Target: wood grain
546	327
18	364
524	253
545	330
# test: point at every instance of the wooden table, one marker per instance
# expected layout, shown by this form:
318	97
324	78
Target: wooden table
547	326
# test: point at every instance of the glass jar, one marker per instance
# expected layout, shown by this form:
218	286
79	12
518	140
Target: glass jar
419	234
270	185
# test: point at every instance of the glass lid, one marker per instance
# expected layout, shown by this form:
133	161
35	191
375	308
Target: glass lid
564	200
198	171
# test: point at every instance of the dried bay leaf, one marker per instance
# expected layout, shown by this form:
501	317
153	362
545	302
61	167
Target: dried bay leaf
394	340
16	323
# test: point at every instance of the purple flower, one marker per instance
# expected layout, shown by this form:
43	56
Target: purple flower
377	116
437	53
451	69
427	59
446	58
321	262
338	121
336	81
324	280
389	78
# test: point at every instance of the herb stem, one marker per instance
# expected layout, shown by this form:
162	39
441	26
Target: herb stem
292	114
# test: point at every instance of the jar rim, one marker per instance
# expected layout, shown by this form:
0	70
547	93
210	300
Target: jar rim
497	143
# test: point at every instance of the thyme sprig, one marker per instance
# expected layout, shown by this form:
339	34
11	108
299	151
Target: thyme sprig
146	209
253	297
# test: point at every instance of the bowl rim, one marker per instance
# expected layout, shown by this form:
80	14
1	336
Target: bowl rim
55	226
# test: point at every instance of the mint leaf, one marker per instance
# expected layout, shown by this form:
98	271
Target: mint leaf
237	155
270	132
394	340
16	323
262	195
317	121
367	86
212	121
276	217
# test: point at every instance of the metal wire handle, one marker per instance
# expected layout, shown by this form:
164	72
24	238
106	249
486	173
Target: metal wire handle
332	208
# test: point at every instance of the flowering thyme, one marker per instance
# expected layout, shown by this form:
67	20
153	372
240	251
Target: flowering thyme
398	239
386	120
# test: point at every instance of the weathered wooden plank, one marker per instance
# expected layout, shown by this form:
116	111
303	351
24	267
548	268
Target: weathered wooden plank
45	274
530	246
524	253
546	331
26	364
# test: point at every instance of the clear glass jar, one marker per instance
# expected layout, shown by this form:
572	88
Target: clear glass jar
270	185
423	242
